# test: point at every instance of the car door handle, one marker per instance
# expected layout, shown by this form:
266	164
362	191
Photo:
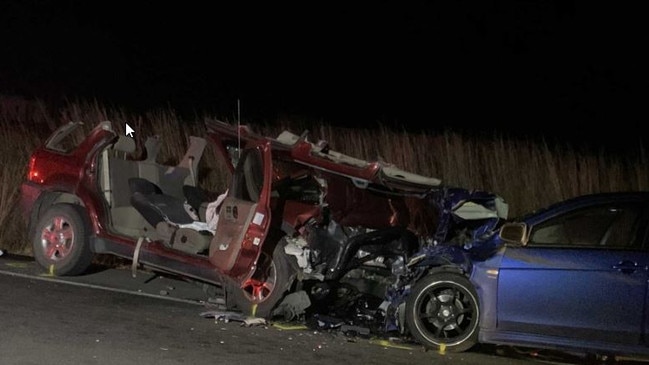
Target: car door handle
626	266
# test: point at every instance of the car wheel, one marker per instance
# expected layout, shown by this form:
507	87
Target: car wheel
260	294
60	241
442	313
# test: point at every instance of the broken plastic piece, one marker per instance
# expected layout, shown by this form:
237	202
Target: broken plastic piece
354	331
224	315
251	321
228	316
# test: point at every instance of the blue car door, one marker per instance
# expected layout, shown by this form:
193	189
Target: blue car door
582	275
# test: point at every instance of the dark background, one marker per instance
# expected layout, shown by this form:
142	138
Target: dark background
568	69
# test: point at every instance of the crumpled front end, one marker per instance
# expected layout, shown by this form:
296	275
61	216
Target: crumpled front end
467	222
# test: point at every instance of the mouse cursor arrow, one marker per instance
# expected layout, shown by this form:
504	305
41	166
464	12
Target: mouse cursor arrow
129	130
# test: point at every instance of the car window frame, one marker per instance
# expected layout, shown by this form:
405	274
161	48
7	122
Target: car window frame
640	226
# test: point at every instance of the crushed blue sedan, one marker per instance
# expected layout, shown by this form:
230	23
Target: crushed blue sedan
572	277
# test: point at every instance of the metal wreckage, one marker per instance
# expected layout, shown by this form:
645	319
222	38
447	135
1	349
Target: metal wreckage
378	268
302	230
352	237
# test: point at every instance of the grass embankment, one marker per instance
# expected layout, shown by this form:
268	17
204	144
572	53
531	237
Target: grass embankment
528	173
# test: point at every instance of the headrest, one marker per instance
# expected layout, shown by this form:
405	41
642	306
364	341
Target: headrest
125	144
152	146
143	186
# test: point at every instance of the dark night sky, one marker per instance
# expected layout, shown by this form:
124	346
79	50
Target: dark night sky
551	67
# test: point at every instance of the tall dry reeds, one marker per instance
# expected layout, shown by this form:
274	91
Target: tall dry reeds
18	137
528	173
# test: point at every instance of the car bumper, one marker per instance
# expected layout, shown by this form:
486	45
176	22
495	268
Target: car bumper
29	194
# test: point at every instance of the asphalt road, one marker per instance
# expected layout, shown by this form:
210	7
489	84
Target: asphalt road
109	317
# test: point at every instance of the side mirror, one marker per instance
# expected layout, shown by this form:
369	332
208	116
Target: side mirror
514	233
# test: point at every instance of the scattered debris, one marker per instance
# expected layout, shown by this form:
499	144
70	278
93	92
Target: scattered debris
227	316
254	321
355	331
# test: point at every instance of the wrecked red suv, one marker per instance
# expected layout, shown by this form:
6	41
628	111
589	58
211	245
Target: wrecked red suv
297	215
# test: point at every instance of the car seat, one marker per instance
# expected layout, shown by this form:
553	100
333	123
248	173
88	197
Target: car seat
175	223
155	206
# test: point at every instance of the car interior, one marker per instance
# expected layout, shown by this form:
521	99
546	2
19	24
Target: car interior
154	200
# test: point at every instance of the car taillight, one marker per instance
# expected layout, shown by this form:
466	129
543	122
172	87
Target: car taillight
33	174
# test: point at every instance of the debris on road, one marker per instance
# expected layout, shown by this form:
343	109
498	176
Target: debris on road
231	316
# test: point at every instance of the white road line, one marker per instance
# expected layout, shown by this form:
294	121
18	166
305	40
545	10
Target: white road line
55	280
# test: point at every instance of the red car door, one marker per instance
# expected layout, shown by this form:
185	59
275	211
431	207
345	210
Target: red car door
244	216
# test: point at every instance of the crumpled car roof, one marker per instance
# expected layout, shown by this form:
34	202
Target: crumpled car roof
379	175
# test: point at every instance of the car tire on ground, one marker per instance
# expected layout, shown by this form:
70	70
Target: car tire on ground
60	240
442	312
260	294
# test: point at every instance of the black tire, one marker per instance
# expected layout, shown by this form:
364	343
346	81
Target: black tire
60	240
442	313
269	284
